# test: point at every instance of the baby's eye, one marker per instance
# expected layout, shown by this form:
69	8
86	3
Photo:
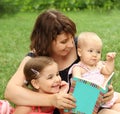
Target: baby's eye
90	50
98	52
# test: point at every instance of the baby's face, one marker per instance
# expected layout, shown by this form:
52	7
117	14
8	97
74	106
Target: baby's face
90	51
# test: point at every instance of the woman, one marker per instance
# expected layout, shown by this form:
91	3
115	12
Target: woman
53	35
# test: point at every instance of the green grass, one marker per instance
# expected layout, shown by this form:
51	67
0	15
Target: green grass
15	31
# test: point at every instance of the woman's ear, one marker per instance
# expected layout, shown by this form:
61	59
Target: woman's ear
79	52
35	83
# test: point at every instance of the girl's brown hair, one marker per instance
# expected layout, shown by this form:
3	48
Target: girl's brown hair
34	66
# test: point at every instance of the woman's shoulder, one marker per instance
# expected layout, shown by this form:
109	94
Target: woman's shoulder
28	56
23	62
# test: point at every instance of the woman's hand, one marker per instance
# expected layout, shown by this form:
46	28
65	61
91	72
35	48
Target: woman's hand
109	95
64	101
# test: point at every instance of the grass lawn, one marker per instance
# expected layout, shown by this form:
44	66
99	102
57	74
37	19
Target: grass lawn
15	31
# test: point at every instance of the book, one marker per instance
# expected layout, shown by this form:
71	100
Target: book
88	95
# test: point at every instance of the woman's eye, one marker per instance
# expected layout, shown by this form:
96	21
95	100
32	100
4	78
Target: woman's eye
63	42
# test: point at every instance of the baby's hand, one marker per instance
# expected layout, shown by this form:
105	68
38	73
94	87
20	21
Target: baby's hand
110	56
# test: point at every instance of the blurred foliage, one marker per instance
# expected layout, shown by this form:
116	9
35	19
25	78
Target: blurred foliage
9	7
13	6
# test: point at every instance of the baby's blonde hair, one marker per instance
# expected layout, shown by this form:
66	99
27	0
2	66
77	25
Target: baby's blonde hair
86	36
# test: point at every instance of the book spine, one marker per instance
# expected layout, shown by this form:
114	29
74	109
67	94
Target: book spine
72	86
98	103
73	83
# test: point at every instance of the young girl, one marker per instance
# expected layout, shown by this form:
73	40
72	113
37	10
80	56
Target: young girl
42	75
91	68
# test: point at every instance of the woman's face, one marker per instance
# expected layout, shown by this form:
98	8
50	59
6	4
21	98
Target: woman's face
50	80
62	45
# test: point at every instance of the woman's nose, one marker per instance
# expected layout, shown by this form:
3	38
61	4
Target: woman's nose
70	43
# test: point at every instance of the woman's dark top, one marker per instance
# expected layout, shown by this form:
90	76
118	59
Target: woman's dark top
63	73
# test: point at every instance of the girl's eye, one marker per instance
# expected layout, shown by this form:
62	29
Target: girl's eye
50	76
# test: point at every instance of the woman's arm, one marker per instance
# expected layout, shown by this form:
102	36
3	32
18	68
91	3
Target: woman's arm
16	93
22	110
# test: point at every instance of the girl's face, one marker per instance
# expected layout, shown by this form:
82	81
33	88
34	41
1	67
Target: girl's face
62	45
50	80
90	52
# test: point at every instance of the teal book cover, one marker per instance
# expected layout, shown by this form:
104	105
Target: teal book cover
88	95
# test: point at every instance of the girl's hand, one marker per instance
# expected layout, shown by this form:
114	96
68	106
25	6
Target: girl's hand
63	101
109	95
